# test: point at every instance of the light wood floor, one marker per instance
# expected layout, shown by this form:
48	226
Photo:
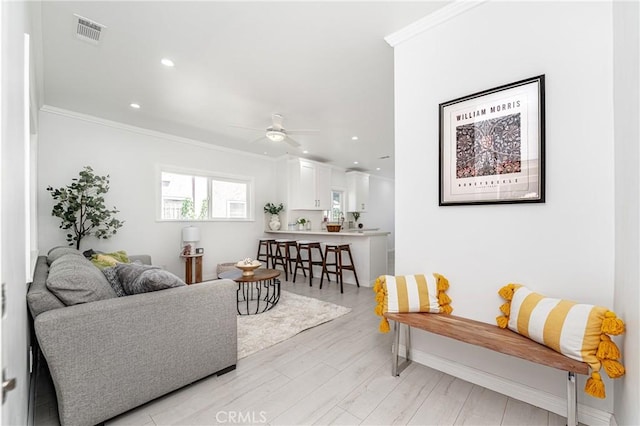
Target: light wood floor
337	373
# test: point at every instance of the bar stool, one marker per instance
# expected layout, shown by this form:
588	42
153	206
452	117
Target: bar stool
266	255
308	246
337	250
281	255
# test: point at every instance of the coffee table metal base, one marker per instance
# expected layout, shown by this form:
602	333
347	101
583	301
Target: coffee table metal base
256	294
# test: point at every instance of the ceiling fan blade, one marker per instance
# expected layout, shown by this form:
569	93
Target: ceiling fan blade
303	131
292	141
245	127
258	140
277	120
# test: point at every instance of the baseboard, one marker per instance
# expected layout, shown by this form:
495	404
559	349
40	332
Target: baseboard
586	415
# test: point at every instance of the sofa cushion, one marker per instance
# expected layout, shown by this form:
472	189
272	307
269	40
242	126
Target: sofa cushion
137	278
59	251
39	298
74	279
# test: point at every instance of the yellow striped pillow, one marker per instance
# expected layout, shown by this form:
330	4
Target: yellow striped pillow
576	330
410	293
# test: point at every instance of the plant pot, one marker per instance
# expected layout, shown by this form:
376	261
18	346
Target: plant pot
274	223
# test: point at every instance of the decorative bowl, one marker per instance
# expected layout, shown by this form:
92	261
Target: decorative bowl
247	269
333	227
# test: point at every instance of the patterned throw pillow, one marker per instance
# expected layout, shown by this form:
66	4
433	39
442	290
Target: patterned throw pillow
107	260
112	276
410	293
576	330
137	278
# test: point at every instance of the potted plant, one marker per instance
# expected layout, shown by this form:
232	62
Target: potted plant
81	207
274	210
302	222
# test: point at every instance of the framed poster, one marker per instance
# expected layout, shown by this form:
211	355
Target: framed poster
492	146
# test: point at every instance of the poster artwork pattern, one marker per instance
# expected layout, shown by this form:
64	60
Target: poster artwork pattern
489	147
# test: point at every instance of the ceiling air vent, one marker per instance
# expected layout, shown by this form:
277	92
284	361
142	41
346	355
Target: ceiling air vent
88	30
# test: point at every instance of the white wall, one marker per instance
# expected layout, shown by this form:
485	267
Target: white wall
131	156
626	33
381	214
562	248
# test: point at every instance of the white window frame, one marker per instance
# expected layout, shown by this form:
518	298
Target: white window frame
211	176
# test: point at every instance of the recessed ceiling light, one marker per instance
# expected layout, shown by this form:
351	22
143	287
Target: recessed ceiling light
134	106
265	153
167	62
305	152
377	168
355	162
354	138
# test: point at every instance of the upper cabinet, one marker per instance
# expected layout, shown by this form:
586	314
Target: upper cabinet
309	185
358	191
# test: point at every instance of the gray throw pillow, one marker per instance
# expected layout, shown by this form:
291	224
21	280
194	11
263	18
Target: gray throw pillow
59	251
112	276
74	279
137	279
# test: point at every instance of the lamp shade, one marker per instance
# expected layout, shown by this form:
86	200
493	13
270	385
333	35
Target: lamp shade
190	234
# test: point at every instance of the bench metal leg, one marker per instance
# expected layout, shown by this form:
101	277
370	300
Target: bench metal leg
572	400
396	367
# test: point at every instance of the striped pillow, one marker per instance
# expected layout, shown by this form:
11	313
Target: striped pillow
576	330
410	293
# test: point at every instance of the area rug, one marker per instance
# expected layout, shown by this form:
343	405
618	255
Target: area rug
292	314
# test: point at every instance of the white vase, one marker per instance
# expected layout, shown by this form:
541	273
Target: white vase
274	223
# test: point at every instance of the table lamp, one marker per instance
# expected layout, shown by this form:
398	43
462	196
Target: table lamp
190	236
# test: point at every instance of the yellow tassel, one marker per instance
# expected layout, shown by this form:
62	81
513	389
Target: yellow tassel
380	297
613	368
502	321
612	325
507	291
378	285
446	309
378	310
595	386
505	308
443	299
384	325
607	349
442	284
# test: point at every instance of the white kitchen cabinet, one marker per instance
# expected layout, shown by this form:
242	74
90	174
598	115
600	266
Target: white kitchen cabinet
358	191
309	185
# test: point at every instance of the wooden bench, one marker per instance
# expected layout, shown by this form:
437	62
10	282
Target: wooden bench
491	337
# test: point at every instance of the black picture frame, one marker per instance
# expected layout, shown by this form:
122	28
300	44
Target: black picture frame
492	146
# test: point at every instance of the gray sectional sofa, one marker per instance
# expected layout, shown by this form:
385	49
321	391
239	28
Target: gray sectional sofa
109	354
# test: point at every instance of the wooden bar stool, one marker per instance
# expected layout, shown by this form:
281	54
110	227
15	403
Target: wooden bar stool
338	250
281	254
308	246
266	255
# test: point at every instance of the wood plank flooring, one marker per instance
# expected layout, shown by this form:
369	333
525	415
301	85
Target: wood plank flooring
338	373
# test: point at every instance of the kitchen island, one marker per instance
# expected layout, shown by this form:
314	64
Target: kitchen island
368	248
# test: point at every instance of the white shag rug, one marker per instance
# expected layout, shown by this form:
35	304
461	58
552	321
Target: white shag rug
292	314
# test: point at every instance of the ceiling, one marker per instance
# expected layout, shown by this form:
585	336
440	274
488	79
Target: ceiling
322	65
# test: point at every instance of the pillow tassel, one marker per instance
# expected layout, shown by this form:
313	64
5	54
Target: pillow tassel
612	324
607	349
505	308
443	298
613	368
446	309
502	321
595	386
384	325
442	283
507	291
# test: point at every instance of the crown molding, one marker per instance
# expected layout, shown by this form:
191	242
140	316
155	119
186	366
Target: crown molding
147	132
434	19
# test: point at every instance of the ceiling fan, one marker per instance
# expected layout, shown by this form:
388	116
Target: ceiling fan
276	132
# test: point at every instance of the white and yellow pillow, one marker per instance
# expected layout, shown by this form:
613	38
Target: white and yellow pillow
576	330
410	293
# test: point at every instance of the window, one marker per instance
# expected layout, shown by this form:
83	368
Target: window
337	206
199	196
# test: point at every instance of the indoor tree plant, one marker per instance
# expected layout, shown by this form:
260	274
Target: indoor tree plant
81	209
274	211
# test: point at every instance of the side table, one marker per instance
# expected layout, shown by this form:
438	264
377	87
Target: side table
191	262
256	293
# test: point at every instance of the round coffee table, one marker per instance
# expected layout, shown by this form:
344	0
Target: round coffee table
257	293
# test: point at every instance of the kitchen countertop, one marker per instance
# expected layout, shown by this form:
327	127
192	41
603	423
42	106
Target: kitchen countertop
343	233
